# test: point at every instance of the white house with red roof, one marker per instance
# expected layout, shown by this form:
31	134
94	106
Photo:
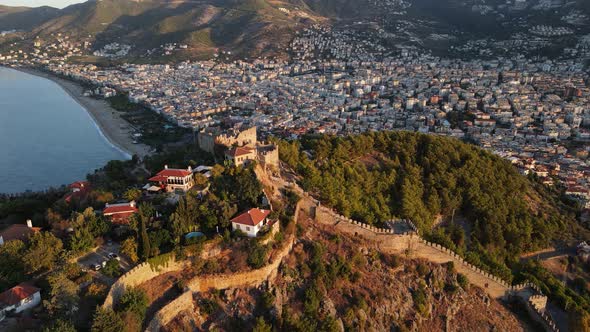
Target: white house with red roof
18	299
119	213
173	179
251	221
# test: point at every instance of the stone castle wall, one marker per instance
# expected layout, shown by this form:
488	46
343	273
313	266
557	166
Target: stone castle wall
136	276
208	140
268	155
535	306
243	138
410	243
144	272
165	315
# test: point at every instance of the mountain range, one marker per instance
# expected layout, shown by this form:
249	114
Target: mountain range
265	27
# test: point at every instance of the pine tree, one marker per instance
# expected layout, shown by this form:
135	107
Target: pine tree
145	241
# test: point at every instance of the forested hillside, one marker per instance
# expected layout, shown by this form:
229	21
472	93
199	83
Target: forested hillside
485	209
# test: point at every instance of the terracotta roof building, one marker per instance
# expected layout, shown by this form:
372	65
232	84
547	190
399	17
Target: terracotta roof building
19	298
120	213
18	232
251	221
173	179
240	155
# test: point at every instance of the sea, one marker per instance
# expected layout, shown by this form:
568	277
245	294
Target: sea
47	139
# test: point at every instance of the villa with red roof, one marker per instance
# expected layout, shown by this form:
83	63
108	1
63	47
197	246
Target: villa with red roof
119	213
79	189
172	179
251	221
18	232
18	299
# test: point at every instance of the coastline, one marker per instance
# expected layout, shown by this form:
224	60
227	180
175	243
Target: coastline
114	129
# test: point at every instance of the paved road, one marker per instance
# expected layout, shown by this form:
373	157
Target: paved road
545	255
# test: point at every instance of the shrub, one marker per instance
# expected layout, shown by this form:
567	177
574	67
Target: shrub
257	256
135	301
451	288
160	261
112	269
96	290
462	281
210	267
420	300
208	306
106	320
422	269
450	266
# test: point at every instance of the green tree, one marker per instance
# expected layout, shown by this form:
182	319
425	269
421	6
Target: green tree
257	256
145	215
112	268
185	217
144	239
63	296
200	180
81	240
106	320
44	249
135	301
262	325
129	249
132	194
12	269
60	325
217	171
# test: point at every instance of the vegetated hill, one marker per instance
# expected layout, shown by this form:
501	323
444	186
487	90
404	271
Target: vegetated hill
332	282
24	18
264	27
244	26
488	211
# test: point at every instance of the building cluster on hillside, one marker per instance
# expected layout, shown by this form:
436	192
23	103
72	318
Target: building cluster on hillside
535	114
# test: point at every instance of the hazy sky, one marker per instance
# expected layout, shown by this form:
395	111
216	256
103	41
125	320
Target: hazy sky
38	3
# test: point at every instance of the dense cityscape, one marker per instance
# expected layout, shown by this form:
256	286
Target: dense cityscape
535	114
309	165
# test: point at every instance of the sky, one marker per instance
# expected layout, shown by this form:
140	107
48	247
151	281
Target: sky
38	3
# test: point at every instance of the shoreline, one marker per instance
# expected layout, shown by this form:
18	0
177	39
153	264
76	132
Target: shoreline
107	121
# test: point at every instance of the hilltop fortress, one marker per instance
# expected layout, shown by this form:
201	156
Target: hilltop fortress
239	146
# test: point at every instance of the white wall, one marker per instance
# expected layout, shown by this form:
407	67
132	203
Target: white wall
33	303
251	233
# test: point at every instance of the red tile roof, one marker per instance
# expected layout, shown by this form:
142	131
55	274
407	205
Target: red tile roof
118	209
170	172
239	151
79	185
18	232
17	293
251	217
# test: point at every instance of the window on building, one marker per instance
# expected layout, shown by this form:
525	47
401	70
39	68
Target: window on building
248	229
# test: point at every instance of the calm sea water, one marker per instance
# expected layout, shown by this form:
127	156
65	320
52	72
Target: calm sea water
46	138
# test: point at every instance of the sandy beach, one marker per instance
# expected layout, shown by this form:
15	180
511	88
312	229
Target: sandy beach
109	121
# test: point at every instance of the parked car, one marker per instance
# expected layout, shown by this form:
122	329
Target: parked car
96	267
114	256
